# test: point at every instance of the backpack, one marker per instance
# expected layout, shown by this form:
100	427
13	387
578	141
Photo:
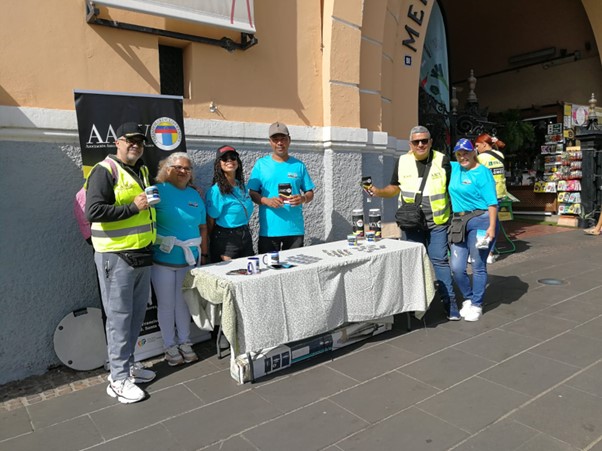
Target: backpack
79	203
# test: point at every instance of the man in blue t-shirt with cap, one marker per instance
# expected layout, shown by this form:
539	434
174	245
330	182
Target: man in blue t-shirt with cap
281	223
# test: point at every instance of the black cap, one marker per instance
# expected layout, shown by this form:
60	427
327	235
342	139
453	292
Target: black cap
130	130
224	150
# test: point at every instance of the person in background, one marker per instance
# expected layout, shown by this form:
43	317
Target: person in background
489	155
181	245
281	224
596	229
229	208
405	182
123	231
474	205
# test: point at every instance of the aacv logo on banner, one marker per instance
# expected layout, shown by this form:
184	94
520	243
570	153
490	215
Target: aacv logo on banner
99	114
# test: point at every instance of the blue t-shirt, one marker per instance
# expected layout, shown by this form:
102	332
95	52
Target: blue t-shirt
229	210
265	177
179	214
471	190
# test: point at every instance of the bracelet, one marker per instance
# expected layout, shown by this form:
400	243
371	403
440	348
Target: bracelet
205	255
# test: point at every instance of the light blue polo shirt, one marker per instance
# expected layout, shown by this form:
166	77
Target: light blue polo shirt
471	190
229	210
179	214
265	177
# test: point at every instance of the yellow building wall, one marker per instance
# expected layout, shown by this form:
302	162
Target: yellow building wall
318	63
55	51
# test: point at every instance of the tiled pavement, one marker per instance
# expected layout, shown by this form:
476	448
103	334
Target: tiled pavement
528	376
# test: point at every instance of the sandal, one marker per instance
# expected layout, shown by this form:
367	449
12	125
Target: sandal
591	231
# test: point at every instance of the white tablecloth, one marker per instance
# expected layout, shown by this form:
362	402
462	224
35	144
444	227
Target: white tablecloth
281	306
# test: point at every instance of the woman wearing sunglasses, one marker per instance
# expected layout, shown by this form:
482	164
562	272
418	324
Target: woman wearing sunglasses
229	208
181	244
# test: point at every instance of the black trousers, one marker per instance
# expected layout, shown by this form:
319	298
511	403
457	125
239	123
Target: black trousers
231	242
279	243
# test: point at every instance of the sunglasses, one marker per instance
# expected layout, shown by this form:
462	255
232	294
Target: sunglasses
424	142
229	158
133	142
182	168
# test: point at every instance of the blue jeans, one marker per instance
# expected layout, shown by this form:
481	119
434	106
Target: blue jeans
459	261
435	241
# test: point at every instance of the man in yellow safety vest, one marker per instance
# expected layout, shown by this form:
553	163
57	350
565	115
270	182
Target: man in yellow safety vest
123	230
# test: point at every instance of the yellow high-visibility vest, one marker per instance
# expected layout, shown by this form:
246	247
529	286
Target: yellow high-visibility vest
496	166
136	232
435	189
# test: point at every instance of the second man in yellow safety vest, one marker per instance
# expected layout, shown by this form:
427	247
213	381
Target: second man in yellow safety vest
406	181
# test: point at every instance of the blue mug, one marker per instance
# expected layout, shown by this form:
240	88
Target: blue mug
271	258
253	265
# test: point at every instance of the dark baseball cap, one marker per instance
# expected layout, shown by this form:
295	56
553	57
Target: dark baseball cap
130	130
224	150
278	128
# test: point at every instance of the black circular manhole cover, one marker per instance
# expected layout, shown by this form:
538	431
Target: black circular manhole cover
551	281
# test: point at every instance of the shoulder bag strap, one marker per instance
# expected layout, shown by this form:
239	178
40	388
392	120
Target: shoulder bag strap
240	201
418	198
495	155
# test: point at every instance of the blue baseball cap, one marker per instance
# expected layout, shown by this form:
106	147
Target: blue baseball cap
464	144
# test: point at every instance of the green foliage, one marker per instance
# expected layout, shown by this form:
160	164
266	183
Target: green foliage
513	131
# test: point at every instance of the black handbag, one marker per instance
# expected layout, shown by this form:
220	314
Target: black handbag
411	216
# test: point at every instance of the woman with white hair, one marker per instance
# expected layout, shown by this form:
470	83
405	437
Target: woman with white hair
181	245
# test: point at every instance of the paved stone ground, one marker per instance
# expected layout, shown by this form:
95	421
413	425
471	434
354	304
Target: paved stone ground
525	377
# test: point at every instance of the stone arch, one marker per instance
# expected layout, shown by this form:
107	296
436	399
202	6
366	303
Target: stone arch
342	21
391	50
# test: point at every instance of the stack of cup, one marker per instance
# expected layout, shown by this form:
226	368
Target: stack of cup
374	219
357	219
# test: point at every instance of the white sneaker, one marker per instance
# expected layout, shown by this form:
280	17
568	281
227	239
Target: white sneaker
141	375
474	314
188	353
466	305
125	391
491	259
173	356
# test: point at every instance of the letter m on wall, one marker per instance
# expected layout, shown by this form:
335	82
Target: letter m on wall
409	43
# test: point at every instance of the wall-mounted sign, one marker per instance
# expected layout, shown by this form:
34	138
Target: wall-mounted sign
554	129
236	15
414	26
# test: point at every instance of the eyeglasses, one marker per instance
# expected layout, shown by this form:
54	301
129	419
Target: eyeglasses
424	142
229	158
281	138
181	168
133	142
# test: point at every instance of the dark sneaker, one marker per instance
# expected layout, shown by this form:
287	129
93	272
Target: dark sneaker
141	375
452	311
173	356
187	353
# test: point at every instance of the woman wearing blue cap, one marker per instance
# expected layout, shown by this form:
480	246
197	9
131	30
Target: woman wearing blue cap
474	206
